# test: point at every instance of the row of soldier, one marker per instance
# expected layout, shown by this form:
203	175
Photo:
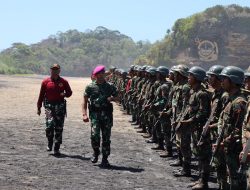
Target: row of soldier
205	114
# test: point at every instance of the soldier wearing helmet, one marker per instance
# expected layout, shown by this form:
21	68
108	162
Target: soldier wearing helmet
230	122
194	118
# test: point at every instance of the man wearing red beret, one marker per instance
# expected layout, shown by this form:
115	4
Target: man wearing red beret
97	98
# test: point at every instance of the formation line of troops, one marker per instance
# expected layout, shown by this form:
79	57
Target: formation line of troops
203	115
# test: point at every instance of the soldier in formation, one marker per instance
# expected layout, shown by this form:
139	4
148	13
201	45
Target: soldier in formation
204	114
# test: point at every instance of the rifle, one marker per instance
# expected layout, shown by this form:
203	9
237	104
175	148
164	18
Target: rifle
178	126
173	134
206	126
217	145
243	162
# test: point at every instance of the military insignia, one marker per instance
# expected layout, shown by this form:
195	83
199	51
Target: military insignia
60	84
207	50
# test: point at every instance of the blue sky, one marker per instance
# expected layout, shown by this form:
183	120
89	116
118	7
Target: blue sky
30	21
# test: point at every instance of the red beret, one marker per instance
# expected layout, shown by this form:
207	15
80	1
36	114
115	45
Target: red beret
99	69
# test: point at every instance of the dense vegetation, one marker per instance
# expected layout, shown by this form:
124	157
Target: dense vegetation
78	52
213	23
75	51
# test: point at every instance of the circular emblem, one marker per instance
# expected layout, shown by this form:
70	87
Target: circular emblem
207	50
60	84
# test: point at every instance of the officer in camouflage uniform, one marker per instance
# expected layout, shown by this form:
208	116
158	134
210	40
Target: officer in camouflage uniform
230	124
53	91
97	98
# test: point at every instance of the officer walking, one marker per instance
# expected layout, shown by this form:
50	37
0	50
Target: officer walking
97	98
52	93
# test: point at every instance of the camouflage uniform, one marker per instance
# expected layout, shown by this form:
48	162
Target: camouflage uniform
54	115
101	114
230	122
246	127
183	137
200	107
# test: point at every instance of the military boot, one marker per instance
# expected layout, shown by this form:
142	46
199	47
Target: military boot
94	158
50	145
105	162
167	153
146	135
160	146
185	172
223	185
57	149
178	162
200	185
194	183
151	140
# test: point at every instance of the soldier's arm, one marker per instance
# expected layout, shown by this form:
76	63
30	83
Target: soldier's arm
246	127
68	91
41	97
84	105
204	107
114	95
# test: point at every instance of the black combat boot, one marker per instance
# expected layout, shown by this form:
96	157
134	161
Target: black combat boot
178	162
57	149
151	140
50	145
185	172
94	158
105	162
160	145
167	153
147	135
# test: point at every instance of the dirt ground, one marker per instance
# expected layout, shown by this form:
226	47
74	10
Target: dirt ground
25	163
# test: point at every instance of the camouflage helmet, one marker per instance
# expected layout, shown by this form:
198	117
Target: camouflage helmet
144	67
131	67
247	73
235	74
140	68
137	68
152	71
172	69
215	70
163	70
182	69
198	72
123	72
112	68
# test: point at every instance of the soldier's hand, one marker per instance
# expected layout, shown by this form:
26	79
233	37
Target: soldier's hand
185	123
62	94
85	118
38	111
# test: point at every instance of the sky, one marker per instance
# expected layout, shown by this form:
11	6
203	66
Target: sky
30	21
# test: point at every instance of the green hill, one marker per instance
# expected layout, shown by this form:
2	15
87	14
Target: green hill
77	52
219	35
